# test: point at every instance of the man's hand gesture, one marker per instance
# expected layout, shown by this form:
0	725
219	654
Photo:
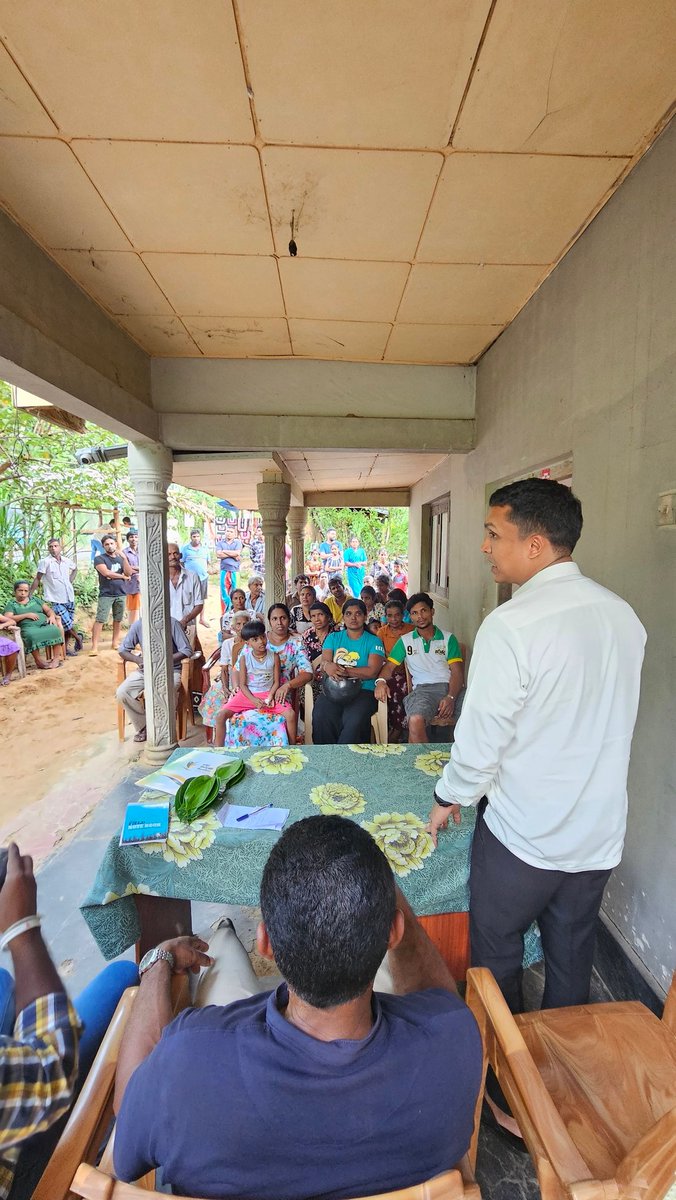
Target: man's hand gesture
189	954
18	897
439	819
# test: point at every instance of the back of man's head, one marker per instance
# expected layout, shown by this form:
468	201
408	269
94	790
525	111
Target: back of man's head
328	903
542	506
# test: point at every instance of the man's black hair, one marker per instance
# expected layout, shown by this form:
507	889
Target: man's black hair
251	630
542	506
353	602
385	577
328	902
337	579
279	604
419	598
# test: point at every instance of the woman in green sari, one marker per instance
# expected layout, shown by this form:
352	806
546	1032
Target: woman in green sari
38	625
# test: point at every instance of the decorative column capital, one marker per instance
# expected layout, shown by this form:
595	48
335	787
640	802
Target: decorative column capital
151	468
273	505
296	521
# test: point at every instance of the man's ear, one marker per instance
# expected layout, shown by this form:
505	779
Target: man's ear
397	930
263	944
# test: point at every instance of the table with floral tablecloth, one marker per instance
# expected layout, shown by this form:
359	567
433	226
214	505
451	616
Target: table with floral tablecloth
387	789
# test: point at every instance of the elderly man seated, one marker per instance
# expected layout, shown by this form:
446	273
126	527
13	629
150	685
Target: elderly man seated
345	1081
129	691
435	665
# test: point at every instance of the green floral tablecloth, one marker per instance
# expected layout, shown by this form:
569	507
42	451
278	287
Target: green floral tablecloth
387	789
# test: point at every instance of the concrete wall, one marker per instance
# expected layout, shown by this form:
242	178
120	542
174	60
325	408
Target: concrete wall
589	368
58	344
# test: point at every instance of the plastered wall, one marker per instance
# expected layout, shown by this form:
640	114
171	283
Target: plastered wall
588	368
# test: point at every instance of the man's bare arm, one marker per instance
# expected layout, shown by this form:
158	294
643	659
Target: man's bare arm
152	1008
416	964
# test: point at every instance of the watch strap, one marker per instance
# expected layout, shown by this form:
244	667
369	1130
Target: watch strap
442	803
157	954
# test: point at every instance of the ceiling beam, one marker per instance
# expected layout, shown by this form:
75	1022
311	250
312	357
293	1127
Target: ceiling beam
369	498
199	431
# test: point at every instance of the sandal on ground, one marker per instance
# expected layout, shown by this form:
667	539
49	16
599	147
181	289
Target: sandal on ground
71	653
93	654
141	736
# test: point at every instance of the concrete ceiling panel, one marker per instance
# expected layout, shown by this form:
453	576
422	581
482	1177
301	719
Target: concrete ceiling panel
219	284
42	183
388	73
164	336
182	197
159	70
355	340
349	204
240	337
439	343
512	208
20	110
556	77
332	290
118	280
466	294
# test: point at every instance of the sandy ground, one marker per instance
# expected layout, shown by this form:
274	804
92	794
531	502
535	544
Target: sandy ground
61	751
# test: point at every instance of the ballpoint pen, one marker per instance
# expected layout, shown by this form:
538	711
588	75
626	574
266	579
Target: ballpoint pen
245	816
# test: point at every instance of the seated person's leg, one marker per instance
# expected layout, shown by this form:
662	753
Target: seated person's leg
128	696
326	722
356	725
291	724
417	729
231	977
95	1007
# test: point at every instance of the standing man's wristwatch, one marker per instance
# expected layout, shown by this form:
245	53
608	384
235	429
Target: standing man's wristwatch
437	800
157	954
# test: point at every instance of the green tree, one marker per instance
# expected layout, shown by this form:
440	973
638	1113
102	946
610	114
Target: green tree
40	482
375	527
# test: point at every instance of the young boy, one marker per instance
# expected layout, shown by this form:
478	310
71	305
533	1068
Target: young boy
259	673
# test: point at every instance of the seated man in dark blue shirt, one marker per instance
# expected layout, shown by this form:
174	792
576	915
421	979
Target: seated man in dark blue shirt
324	1087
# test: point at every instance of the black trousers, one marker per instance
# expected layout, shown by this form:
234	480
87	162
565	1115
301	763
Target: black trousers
343	724
507	895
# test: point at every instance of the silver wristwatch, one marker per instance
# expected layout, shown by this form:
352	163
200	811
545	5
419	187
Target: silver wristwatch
157	954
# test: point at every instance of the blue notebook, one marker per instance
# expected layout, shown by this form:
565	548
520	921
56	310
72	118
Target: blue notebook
145	823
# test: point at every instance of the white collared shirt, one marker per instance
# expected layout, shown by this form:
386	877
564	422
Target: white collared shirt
185	595
546	727
56	585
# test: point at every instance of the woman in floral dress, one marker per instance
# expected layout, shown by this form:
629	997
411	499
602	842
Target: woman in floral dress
389	634
295	669
313	640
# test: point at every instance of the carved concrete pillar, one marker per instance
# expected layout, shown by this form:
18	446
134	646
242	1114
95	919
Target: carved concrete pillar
296	522
273	505
150	467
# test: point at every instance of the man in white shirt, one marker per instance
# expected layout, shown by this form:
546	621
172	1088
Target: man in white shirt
56	574
185	593
543	742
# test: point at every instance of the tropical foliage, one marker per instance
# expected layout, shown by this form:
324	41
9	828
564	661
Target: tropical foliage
375	527
41	487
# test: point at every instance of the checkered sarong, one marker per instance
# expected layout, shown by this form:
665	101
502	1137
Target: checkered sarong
66	613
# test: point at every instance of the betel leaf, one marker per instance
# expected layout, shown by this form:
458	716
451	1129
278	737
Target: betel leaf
230	774
195	796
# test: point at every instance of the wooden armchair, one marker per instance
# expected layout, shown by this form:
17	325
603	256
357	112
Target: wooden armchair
593	1089
184	712
15	634
71	1170
378	720
95	1185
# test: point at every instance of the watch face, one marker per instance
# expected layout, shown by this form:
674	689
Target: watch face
148	959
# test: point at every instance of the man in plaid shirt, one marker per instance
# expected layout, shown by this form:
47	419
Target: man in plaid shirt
39	1055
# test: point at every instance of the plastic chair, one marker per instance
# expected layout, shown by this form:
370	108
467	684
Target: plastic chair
378	720
15	635
593	1089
